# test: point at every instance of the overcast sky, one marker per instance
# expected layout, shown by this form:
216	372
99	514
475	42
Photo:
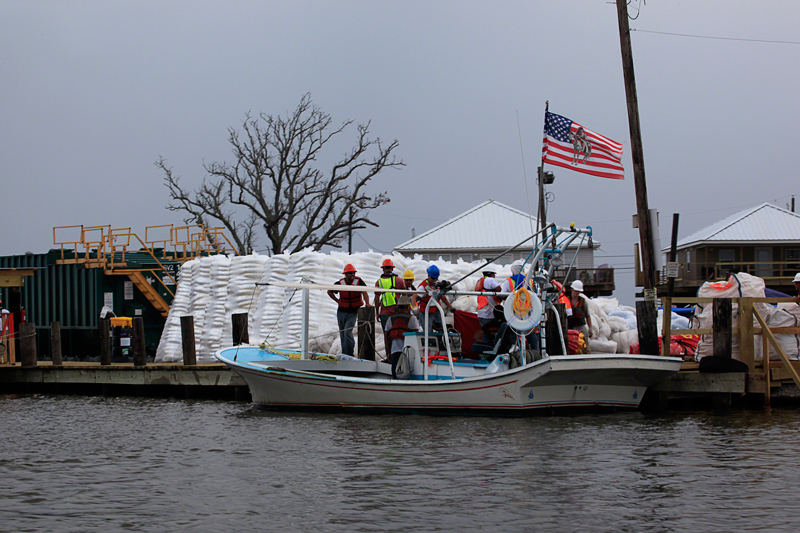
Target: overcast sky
92	93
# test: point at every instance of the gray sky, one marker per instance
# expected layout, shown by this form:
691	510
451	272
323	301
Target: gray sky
94	92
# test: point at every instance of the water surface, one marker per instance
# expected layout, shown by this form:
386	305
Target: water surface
97	464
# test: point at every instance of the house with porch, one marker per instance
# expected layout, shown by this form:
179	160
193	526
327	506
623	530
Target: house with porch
489	229
763	241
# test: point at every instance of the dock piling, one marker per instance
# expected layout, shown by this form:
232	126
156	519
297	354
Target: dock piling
105	341
187	340
241	335
366	333
27	343
55	343
139	355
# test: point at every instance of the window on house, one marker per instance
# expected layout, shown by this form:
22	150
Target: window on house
688	260
727	255
445	257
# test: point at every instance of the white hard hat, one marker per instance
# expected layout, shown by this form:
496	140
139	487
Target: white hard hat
577	285
489	268
797	277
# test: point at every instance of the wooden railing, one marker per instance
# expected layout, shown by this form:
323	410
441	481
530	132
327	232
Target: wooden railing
770	270
746	331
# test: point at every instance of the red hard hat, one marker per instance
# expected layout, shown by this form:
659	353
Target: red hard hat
349	268
387	263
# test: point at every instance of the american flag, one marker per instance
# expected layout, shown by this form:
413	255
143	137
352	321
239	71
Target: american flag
604	155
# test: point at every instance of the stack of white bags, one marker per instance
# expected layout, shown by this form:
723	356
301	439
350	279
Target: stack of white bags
211	289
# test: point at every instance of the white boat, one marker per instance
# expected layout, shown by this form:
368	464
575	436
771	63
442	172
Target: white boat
516	381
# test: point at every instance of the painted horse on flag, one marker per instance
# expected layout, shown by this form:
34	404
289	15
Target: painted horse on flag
580	145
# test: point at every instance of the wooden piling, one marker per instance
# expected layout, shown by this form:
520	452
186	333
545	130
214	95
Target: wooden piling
27	343
139	355
646	319
105	341
241	335
55	343
722	327
187	340
366	333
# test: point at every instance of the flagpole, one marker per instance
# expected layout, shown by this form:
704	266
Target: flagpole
542	216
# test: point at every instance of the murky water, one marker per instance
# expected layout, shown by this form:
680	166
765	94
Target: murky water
101	464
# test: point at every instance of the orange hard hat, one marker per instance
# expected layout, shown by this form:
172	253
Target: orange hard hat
349	268
387	263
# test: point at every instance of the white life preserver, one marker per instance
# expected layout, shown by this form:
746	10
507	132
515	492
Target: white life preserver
517	320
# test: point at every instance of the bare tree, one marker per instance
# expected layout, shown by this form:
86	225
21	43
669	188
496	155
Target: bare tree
275	182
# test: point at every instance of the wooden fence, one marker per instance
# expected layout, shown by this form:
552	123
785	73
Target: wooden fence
750	324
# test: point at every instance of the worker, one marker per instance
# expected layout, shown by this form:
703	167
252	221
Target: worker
580	319
385	302
421	301
515	280
486	304
397	326
408	279
349	302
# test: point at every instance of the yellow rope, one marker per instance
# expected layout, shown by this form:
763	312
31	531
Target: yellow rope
522	303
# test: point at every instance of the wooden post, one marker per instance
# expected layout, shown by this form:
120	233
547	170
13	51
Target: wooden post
666	324
27	343
722	327
366	333
55	343
673	252
241	334
187	340
765	359
139	355
552	338
646	324
637	152
746	337
105	341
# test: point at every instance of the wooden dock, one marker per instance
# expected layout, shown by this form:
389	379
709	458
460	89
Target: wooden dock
210	380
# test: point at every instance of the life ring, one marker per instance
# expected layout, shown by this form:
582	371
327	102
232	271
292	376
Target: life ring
523	311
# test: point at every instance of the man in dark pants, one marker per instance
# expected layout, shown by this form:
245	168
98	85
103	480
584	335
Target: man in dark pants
349	302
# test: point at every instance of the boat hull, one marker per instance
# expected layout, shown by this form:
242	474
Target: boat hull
555	383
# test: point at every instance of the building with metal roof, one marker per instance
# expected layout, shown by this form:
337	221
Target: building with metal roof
489	229
763	241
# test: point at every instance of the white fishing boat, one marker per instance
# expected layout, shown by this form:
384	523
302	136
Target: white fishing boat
512	380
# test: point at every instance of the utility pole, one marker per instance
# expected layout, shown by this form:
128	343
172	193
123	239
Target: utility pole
642	208
350	234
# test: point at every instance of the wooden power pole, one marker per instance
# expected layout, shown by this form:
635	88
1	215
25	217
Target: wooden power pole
642	209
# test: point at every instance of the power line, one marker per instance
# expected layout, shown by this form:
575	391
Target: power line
717	38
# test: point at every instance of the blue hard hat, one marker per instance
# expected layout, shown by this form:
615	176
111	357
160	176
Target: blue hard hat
433	271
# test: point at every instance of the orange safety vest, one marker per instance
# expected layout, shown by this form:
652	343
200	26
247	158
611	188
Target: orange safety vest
399	326
350	299
483	301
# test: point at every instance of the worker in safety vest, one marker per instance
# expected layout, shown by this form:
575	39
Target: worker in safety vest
385	302
421	301
512	284
486	303
397	326
580	319
349	302
515	280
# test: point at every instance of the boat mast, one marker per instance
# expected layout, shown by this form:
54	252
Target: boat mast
642	209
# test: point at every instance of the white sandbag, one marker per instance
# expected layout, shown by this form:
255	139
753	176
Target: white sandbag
625	339
601	346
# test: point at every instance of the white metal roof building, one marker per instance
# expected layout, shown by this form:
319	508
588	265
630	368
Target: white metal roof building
482	233
762	240
764	224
